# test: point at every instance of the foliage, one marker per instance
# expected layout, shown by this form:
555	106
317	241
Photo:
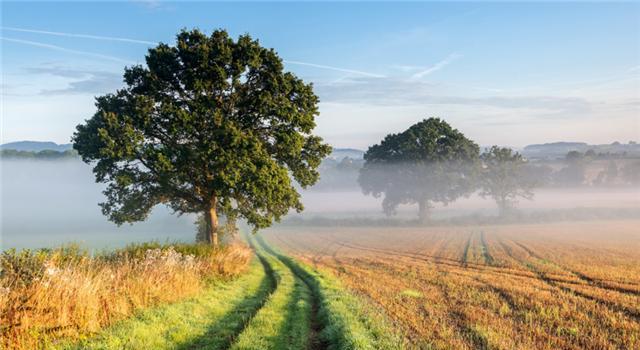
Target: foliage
503	177
210	125
429	162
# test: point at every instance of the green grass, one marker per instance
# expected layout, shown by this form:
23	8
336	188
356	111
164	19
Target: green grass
284	320
208	321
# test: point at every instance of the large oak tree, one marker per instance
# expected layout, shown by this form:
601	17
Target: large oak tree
429	162
210	125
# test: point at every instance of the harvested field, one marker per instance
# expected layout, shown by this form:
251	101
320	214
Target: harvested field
572	285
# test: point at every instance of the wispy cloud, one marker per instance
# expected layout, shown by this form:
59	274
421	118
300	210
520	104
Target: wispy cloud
87	81
400	92
64	49
407	68
337	69
436	67
76	35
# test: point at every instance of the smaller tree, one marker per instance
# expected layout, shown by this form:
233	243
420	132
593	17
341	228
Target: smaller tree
540	174
631	173
504	178
574	173
430	162
611	172
574	156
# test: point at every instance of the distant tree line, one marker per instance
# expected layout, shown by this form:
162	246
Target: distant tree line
44	154
571	170
575	168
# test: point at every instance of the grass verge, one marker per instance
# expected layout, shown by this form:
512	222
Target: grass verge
46	295
211	320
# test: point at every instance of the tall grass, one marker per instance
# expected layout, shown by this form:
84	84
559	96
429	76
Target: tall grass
65	292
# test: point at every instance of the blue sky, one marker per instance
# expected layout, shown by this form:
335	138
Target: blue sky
504	73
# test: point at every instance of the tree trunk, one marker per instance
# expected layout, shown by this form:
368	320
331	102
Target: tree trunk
424	213
211	216
504	207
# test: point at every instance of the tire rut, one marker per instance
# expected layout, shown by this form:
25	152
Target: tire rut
485	250
315	340
273	286
465	254
579	275
633	314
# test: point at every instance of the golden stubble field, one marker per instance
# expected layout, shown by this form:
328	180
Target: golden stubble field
570	285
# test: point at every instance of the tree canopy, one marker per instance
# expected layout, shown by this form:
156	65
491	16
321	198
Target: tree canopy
504	178
210	125
429	162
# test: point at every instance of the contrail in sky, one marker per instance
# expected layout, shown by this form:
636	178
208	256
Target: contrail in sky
437	66
334	68
85	36
146	42
64	49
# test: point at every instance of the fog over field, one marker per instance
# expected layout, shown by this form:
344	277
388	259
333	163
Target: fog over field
46	203
353	202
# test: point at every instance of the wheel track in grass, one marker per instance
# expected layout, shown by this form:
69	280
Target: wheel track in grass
338	318
270	275
315	342
264	253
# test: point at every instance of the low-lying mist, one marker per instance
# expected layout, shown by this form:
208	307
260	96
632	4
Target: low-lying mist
49	202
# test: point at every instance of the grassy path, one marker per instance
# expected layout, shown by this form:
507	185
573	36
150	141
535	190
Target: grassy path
279	303
283	322
209	321
343	320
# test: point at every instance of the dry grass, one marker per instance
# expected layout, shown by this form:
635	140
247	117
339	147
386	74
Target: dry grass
551	286
45	295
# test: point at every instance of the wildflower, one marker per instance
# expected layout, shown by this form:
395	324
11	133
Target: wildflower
51	269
